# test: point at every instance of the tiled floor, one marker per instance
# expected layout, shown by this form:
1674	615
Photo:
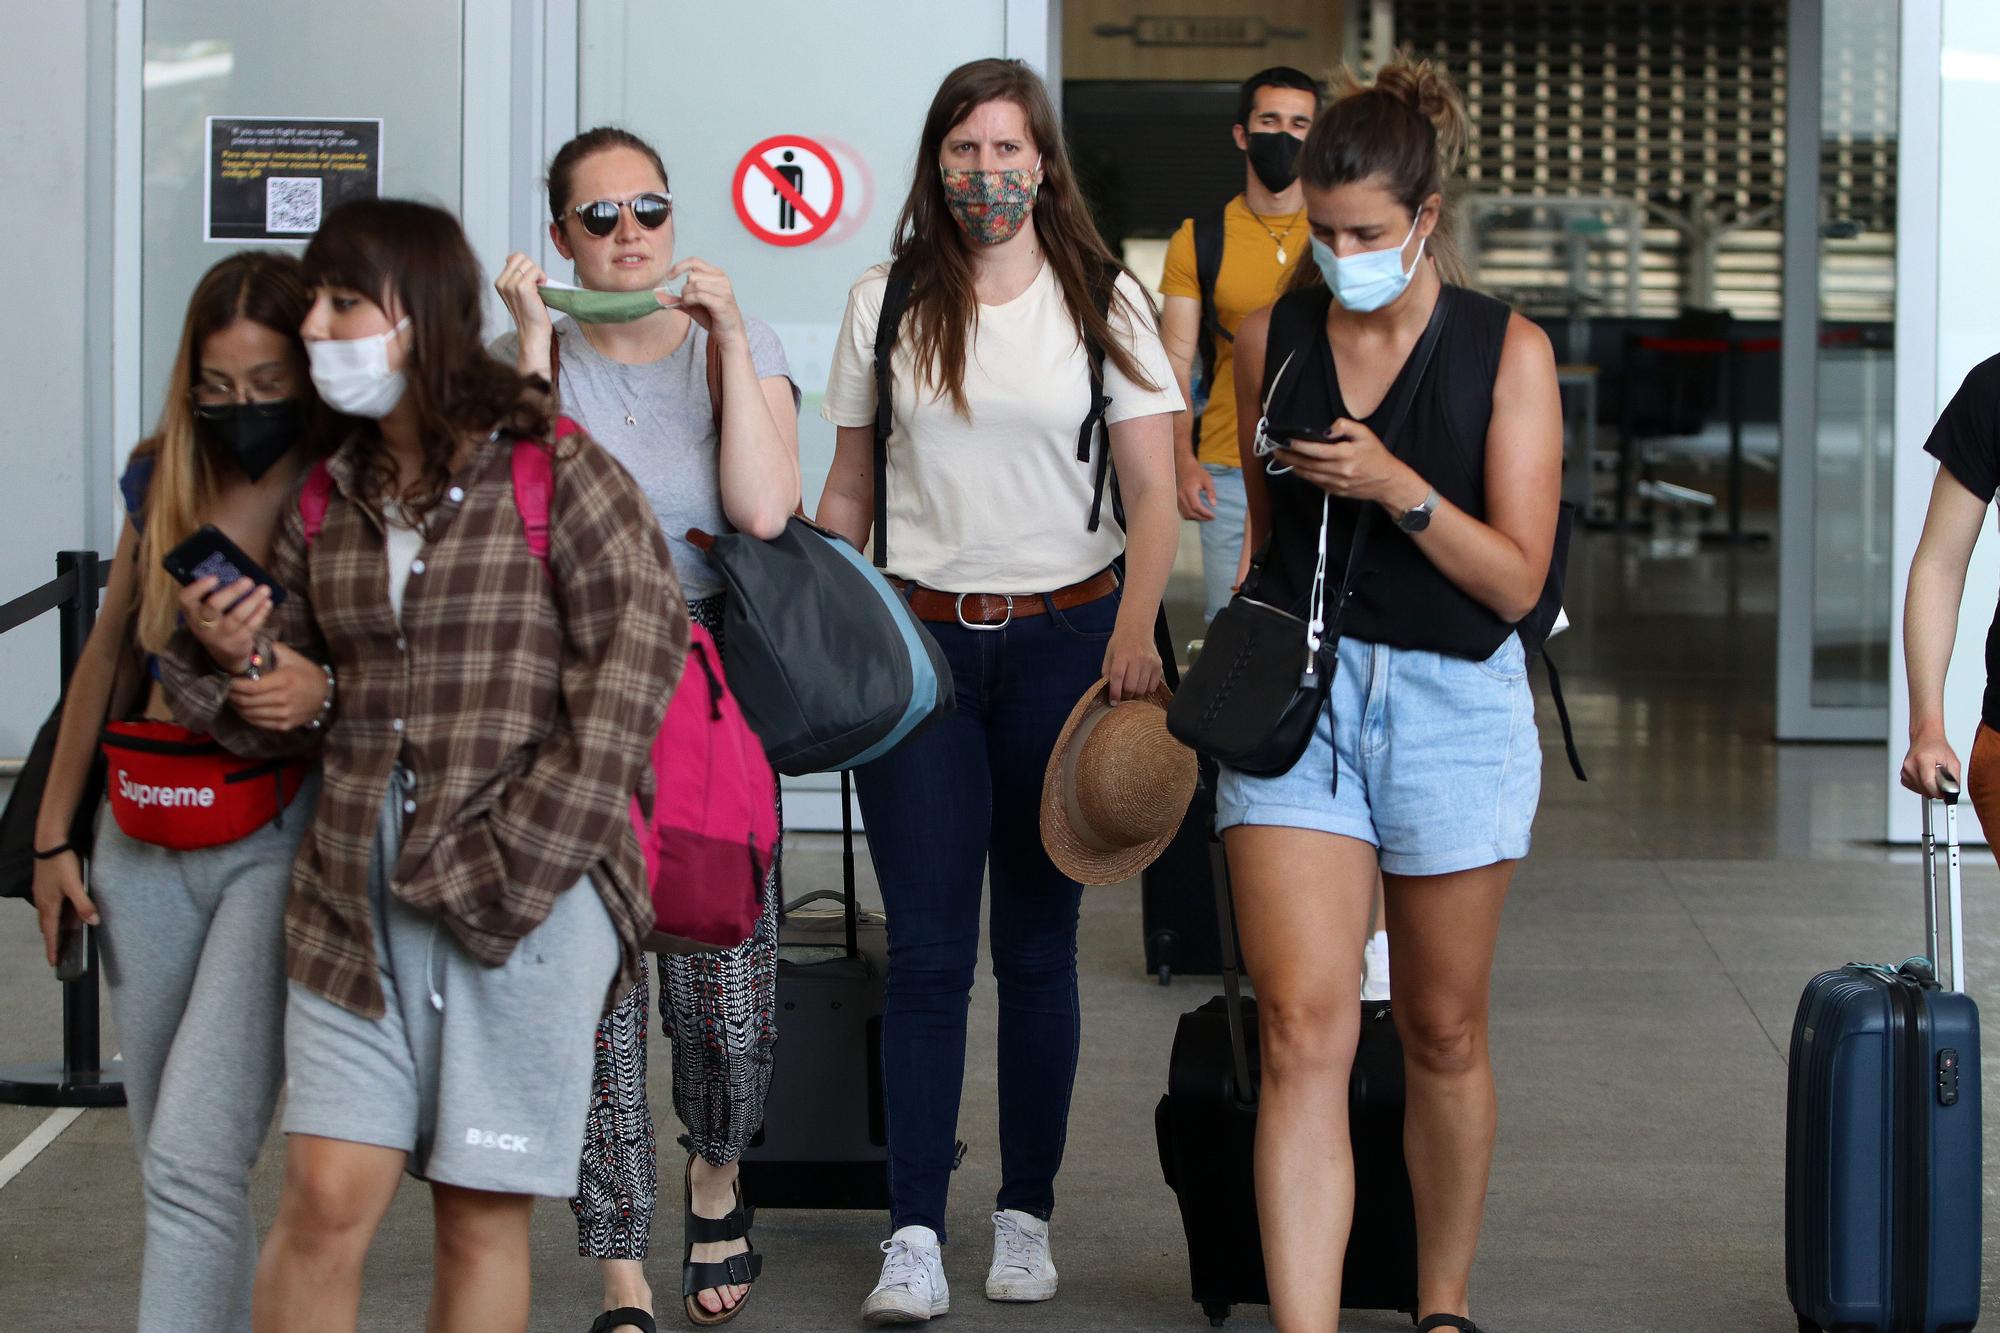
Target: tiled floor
1653	952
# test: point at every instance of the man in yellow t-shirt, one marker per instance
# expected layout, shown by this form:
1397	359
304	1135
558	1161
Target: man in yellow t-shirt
1263	237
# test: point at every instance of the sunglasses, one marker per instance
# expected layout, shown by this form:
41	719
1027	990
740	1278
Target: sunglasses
600	216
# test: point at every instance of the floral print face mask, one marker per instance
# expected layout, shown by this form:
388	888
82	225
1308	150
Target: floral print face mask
992	206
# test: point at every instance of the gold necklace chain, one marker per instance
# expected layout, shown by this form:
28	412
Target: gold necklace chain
1277	237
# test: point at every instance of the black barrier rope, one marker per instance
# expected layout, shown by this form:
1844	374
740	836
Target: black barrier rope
81	1077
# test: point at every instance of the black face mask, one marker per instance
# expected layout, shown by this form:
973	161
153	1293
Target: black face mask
254	435
1274	156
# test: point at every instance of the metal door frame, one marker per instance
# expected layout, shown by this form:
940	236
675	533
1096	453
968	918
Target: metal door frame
1799	718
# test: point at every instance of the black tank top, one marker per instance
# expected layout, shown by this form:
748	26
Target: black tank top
1399	597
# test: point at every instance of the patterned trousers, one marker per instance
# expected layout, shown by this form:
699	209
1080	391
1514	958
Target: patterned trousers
717	1010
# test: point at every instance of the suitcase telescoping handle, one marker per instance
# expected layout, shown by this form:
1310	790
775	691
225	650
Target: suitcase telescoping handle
1954	891
850	901
1232	982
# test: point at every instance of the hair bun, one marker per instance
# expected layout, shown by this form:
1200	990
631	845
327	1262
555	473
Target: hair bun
1425	87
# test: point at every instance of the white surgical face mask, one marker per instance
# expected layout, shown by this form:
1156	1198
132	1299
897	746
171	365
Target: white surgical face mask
1372	279
353	375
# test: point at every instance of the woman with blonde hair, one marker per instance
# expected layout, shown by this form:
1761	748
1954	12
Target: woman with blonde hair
193	936
1423	452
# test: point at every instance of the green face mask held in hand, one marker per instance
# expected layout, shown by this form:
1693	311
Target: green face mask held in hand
593	307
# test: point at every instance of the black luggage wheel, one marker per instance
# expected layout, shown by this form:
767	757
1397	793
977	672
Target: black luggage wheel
1217	1312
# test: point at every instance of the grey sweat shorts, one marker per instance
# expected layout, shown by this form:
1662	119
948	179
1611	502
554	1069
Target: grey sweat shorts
482	1075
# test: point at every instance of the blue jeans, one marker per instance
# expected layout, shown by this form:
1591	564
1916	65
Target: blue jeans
1222	539
959	800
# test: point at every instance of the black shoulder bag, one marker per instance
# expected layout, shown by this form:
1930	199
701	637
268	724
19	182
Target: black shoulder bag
1253	697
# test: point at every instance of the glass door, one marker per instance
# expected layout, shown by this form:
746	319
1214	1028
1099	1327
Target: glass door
1835	564
363	59
854	79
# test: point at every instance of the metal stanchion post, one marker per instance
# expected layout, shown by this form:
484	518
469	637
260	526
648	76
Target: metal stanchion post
80	1078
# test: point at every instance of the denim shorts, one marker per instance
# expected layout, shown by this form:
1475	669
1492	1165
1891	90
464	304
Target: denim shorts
1439	760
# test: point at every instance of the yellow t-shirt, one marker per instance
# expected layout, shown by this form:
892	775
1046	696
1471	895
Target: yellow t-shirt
1250	279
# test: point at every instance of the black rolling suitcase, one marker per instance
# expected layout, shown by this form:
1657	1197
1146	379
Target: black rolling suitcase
1177	895
1177	891
1207	1126
1882	1137
823	1144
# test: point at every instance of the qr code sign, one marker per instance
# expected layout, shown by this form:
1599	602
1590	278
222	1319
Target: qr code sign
291	203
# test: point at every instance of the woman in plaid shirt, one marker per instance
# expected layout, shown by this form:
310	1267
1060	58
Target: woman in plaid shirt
470	892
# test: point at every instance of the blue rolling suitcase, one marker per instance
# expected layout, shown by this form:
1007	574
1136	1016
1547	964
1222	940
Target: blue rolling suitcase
1882	1142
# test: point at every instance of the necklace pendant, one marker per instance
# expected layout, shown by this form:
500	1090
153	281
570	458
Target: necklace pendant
630	420
1281	254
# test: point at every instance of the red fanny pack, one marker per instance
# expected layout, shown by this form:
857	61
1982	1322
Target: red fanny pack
180	789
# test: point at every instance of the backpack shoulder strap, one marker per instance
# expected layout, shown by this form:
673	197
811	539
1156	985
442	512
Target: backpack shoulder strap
714	386
533	472
895	299
1562	716
1105	290
1210	232
314	497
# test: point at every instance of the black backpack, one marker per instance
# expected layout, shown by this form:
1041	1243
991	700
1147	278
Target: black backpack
1209	234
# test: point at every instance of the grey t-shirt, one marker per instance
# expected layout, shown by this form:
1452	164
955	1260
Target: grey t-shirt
670	448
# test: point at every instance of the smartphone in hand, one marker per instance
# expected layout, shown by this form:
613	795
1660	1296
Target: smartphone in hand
210	553
1281	437
72	946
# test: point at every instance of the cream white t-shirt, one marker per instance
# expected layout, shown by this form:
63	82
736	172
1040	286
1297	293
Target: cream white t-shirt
998	502
405	544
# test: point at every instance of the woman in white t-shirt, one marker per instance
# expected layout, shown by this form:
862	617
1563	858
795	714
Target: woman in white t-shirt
991	528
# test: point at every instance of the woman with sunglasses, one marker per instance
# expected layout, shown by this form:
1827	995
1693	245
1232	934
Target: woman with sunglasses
194	938
639	369
470	895
989	528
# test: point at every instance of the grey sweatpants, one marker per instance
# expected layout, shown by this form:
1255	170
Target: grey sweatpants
194	953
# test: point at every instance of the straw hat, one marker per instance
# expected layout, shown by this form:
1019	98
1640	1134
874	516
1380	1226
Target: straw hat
1116	788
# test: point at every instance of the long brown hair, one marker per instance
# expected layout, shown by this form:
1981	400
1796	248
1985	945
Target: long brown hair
943	302
419	253
264	288
1406	131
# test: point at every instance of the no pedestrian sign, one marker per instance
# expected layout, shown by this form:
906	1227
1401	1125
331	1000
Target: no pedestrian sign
788	190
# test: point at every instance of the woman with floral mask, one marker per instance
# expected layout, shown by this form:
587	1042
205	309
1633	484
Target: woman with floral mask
642	371
1424	448
992	530
193	935
470	893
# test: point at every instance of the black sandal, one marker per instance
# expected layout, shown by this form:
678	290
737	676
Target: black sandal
738	1270
1457	1321
625	1314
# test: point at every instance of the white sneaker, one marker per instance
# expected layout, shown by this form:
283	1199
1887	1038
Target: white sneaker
1022	1269
1375	967
912	1289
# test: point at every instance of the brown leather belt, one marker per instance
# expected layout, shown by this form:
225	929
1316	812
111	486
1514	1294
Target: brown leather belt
992	610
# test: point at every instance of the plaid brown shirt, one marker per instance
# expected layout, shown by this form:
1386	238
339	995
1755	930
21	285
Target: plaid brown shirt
523	701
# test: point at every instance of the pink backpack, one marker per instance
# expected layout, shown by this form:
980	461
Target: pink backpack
711	836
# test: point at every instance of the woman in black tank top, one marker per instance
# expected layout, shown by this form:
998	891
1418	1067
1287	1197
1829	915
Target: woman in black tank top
1426	766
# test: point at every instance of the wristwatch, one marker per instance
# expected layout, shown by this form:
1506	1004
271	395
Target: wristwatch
1419	518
